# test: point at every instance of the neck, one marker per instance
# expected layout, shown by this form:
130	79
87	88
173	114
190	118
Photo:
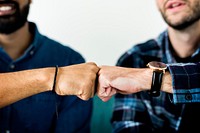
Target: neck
185	42
16	43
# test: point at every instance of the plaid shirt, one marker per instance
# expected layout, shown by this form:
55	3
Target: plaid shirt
177	113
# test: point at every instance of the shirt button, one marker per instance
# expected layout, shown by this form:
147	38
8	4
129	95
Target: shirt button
12	66
31	52
188	96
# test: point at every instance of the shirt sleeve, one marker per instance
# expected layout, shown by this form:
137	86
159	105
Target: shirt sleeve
185	82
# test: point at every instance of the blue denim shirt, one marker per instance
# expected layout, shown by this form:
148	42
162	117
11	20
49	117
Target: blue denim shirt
45	112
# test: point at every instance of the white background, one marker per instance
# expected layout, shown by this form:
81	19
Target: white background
101	30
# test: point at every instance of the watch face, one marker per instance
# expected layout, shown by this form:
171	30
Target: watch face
157	65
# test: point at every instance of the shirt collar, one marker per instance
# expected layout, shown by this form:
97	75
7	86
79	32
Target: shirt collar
37	37
165	44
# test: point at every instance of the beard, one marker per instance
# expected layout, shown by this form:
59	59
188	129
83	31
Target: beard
187	21
11	23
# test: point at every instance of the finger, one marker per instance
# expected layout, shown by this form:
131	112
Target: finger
105	99
104	92
92	92
113	92
96	84
83	97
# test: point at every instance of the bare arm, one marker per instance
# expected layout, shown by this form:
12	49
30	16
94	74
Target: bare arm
167	83
18	85
76	80
122	80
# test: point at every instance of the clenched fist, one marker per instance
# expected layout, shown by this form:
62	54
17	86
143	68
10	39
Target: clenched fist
77	80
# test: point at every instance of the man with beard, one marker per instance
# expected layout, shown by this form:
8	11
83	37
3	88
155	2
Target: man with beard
173	60
22	48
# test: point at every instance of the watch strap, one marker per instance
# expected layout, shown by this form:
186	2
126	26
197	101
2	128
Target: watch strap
156	83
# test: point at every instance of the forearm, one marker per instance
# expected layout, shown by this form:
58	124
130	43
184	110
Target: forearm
18	85
167	83
141	79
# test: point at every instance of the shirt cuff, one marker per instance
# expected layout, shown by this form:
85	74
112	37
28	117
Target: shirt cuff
185	82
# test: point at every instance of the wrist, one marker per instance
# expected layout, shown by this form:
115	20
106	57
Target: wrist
46	78
55	78
147	76
142	79
167	83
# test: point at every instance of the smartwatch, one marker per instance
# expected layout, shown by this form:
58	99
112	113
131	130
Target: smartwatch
158	71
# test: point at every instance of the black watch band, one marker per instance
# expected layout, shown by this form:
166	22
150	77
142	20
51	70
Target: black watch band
158	71
156	83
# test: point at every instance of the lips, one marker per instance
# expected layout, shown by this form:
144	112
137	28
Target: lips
174	4
7	9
